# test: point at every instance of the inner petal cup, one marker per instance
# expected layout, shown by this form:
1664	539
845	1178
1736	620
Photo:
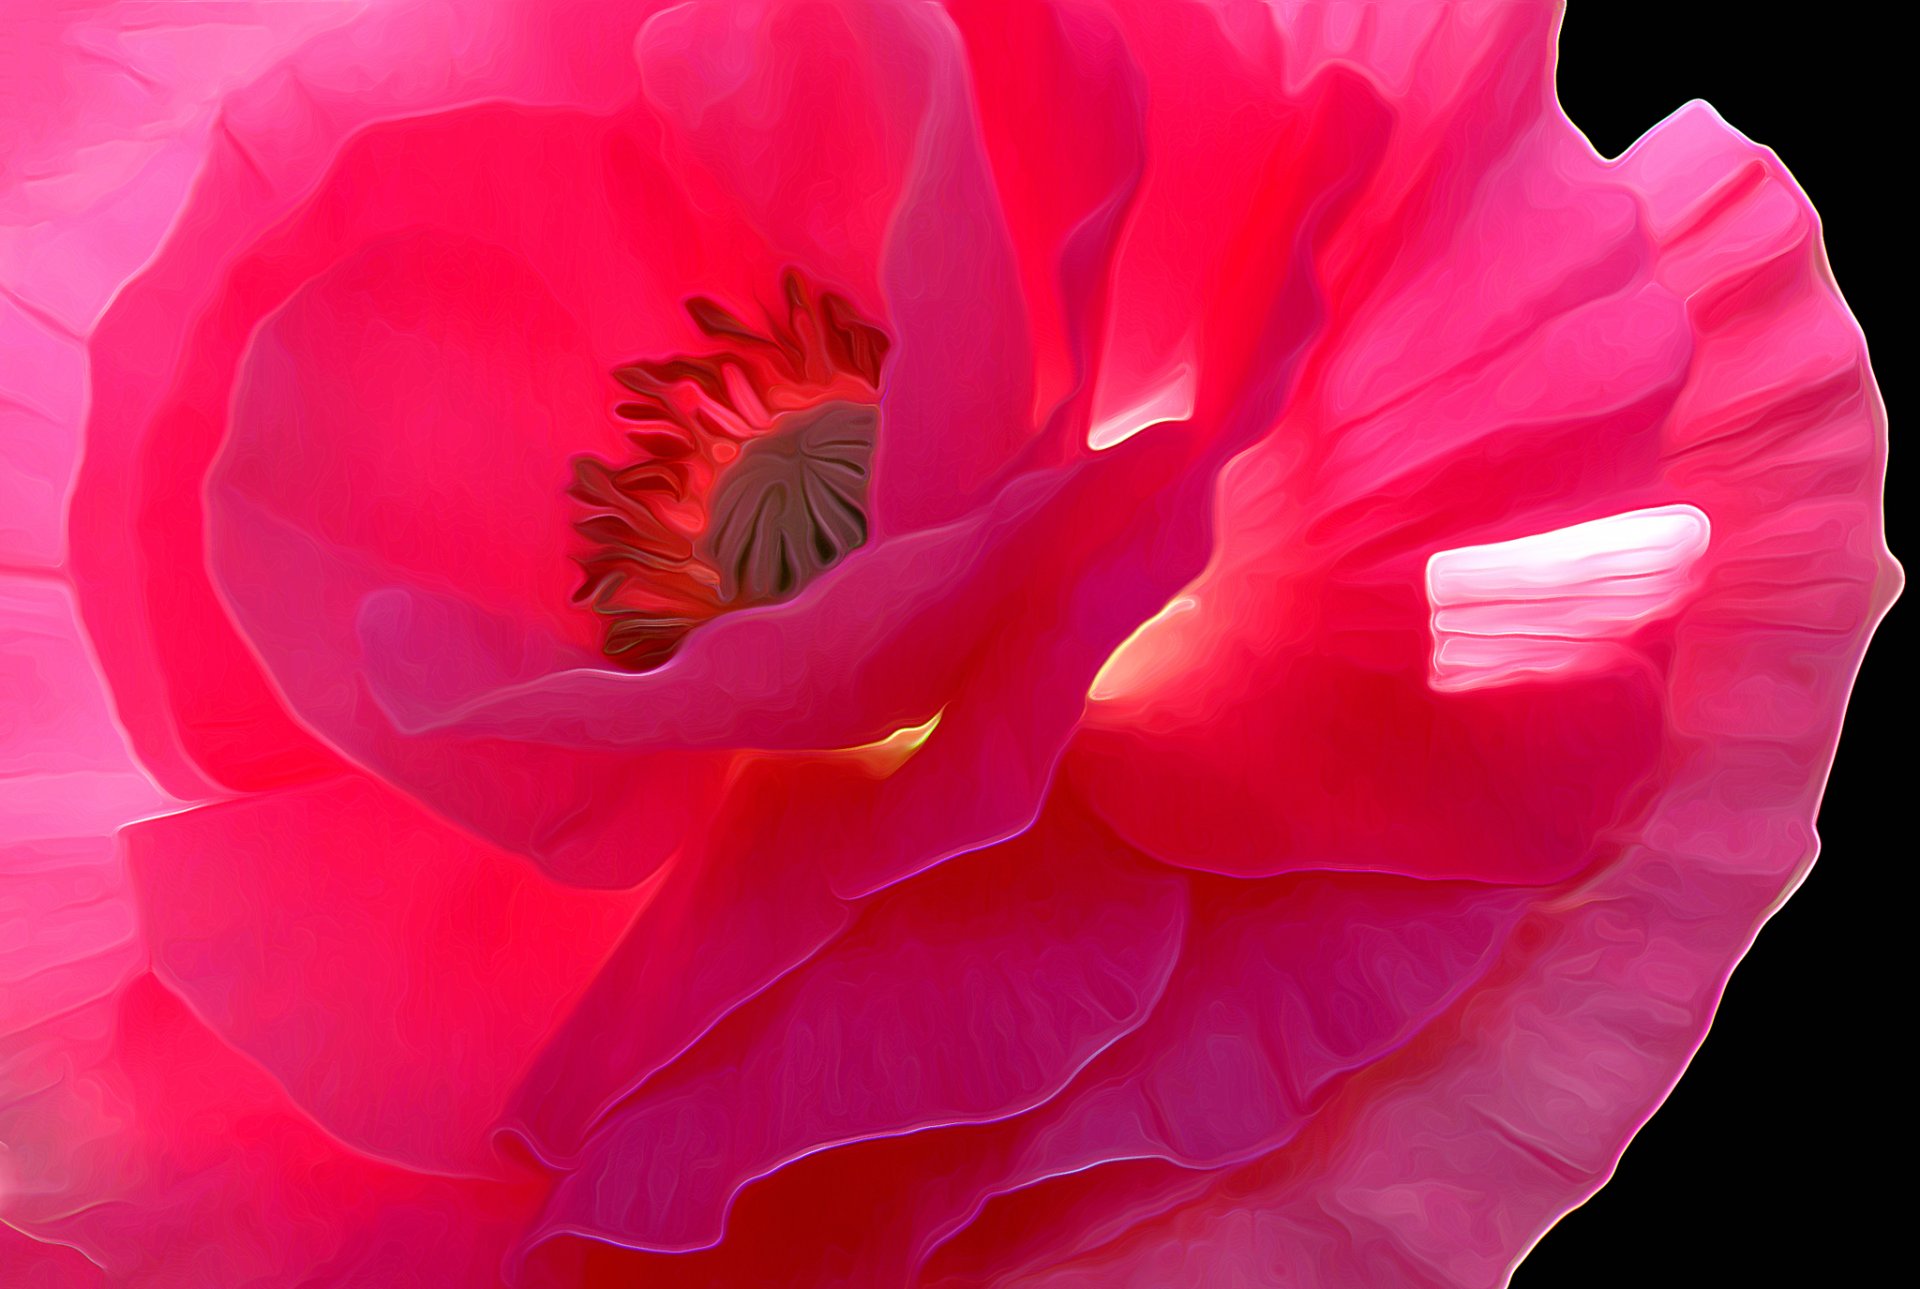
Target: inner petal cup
395	631
296	175
379	597
437	627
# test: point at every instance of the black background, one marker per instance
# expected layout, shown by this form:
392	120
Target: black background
1758	1171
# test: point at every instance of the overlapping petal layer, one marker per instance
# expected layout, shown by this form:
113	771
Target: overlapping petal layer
1259	806
1441	1165
145	1151
165	359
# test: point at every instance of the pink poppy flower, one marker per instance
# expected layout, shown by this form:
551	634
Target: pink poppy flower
786	643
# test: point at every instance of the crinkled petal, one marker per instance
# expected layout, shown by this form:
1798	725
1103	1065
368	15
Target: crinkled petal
39	1264
1061	104
64	768
109	112
207	684
1467	355
69	927
1442	1164
332	408
745	905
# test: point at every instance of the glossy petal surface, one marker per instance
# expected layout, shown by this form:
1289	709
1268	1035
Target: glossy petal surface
1275	631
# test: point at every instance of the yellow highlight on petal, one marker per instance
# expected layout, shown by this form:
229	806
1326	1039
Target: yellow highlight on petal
1136	659
885	755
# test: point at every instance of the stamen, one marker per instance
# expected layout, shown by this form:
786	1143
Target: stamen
748	478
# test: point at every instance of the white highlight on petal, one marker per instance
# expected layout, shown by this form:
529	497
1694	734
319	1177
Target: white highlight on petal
1552	602
1170	401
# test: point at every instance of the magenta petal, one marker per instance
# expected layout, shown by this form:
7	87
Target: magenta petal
730	916
32	1264
164	1158
955	305
969	996
1282	991
392	973
165	355
997	622
332	383
1551	415
331	405
110	109
64	768
1600	357
69	927
1440	1166
806	116
1344	639
40	414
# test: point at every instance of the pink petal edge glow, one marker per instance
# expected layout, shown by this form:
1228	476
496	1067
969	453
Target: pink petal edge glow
1329	656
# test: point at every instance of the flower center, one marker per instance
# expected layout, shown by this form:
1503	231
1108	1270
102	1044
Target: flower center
748	476
793	504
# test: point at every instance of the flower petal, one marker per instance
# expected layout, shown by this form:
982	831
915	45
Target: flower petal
850	135
110	109
997	621
1283	989
741	907
1442	1165
332	406
393	974
33	1264
1505	373
1061	103
64	768
163	1158
165	355
970	995
69	931
40	415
